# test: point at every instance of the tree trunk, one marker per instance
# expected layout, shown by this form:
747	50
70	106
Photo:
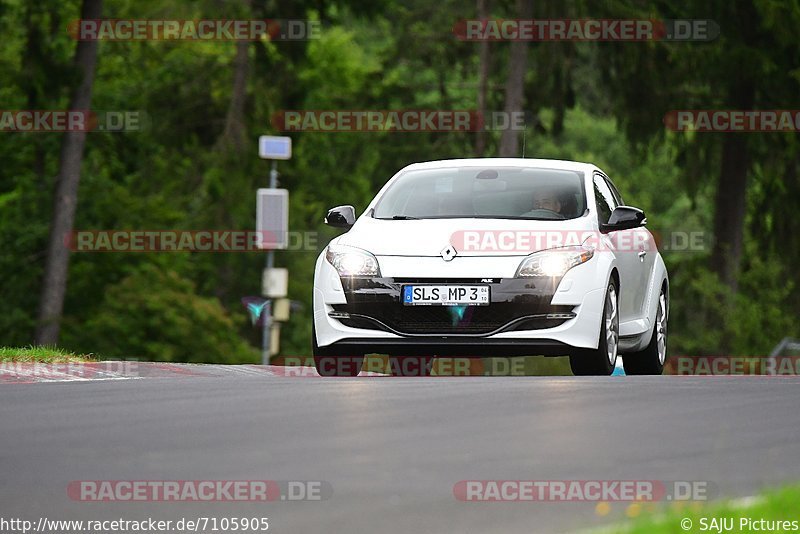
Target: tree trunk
483	79
234	139
51	303
235	133
730	209
730	203
517	65
563	96
34	50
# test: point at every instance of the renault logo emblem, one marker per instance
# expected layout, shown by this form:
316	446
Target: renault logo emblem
448	253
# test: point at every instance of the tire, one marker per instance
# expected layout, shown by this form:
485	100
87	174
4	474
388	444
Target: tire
411	365
331	364
650	361
601	361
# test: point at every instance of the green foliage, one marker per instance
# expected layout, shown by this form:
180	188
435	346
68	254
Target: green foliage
748	322
164	320
598	102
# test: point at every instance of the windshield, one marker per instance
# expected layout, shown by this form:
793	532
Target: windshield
474	192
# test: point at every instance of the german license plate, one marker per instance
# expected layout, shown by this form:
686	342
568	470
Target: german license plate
445	295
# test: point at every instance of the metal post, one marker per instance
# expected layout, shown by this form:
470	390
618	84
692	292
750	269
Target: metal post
266	314
266	322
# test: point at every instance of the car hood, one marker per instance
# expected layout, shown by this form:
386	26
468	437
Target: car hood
469	237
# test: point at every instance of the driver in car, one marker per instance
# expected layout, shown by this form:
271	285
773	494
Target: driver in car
546	199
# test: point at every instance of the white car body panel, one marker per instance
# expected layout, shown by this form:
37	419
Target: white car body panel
411	249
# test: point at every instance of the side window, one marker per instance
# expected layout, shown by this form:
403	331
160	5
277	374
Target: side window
604	199
615	192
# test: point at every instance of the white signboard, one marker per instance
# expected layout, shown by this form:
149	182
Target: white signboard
275	147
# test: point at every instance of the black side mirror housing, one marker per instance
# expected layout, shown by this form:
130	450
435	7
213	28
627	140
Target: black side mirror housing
341	217
625	218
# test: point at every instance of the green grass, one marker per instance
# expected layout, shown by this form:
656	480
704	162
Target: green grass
774	505
42	355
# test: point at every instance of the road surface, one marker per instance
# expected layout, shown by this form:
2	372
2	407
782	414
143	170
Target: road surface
391	449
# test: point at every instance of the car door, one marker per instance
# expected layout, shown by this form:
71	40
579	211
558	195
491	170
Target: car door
618	243
644	246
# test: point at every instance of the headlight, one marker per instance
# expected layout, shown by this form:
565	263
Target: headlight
554	262
351	261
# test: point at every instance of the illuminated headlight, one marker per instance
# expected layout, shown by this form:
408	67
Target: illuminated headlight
554	262
351	261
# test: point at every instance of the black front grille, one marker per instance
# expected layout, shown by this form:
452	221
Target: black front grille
451	319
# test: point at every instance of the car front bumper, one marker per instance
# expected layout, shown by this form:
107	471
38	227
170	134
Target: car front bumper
526	316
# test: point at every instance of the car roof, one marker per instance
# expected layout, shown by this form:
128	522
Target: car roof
504	162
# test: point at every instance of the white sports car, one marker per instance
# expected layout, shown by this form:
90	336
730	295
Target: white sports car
492	257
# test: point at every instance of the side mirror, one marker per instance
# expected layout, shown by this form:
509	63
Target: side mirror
625	218
341	217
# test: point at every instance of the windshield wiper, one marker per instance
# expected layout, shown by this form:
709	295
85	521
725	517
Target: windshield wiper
398	218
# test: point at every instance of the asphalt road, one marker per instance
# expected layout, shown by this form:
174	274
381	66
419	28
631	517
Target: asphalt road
391	448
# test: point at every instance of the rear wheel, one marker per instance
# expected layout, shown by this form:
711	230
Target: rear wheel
650	361
329	363
601	361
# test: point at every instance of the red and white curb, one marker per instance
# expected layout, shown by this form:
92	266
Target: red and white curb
26	373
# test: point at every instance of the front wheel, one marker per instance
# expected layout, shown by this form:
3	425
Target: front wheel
601	361
650	361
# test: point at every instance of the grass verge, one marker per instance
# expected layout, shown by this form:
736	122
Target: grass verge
42	355
778	509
